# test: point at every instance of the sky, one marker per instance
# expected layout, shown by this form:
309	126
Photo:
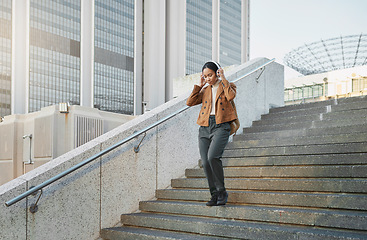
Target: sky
279	26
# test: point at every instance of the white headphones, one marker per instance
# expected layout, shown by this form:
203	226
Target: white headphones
217	64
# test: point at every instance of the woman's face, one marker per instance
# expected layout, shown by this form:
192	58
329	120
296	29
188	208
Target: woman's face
210	76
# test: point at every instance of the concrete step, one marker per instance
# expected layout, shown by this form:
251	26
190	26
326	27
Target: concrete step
303	132
352	115
338	171
347	114
347	201
360	105
272	134
336	110
289	108
351	99
335	185
336	148
296	160
333	102
306	125
118	233
293	141
337	130
283	120
279	127
233	229
297	112
352	220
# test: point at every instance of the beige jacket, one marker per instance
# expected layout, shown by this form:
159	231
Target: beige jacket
224	111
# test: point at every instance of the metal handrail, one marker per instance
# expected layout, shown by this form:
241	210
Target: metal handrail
254	70
90	159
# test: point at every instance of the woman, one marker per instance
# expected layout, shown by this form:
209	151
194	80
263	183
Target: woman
214	119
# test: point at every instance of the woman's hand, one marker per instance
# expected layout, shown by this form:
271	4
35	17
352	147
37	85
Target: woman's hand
202	81
220	73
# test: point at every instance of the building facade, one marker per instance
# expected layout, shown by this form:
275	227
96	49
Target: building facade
348	82
199	29
115	55
5	57
214	31
54	53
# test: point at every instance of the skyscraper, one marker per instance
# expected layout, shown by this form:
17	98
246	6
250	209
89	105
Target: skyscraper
230	32
5	57
206	22
54	53
115	55
198	34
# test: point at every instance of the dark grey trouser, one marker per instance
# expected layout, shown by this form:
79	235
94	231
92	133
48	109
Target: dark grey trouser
212	141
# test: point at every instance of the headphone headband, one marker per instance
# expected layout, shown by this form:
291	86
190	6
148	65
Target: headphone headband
217	64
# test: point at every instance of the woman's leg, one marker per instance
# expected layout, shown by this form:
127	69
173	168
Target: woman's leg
204	143
219	139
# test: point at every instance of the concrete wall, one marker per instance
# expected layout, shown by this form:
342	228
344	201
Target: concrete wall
95	196
256	97
53	134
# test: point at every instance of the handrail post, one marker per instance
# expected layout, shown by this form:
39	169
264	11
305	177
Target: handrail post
258	76
137	148
34	207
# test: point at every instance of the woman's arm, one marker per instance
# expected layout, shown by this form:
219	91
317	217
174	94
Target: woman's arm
229	88
195	97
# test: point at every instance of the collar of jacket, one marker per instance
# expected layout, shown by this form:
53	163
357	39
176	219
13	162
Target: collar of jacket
219	91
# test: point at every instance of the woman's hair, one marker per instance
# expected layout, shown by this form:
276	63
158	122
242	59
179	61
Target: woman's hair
211	65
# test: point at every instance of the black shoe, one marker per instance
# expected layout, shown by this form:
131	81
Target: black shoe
213	201
222	198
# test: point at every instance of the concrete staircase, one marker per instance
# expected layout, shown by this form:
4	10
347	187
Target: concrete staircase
298	173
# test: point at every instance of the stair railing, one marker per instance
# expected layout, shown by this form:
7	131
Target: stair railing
33	190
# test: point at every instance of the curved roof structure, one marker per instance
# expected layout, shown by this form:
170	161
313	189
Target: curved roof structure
330	54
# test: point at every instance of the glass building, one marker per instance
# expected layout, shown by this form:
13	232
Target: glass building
198	34
5	57
55	54
100	53
54	74
230	32
114	56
